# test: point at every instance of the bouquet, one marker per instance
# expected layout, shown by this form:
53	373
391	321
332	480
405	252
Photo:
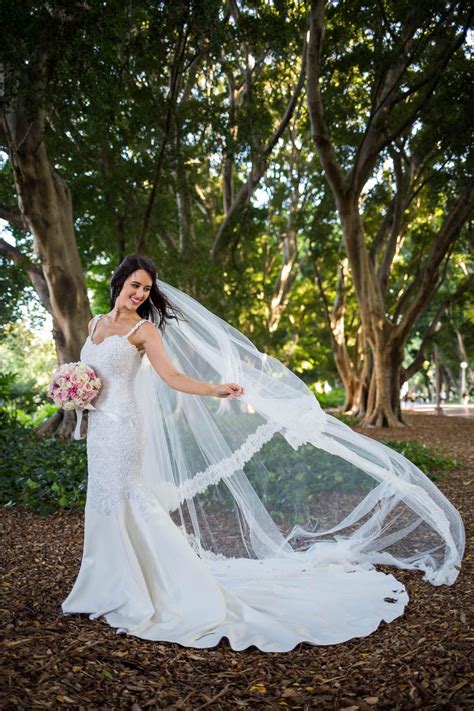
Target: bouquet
73	386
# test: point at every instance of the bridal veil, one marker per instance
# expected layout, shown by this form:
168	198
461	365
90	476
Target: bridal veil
270	474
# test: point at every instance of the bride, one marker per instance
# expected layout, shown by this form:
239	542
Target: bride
223	502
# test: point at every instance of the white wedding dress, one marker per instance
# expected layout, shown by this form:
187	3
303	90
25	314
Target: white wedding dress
141	573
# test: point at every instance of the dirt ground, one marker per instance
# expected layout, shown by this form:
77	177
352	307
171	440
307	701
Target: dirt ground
420	661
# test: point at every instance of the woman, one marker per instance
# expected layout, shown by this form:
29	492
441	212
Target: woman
237	508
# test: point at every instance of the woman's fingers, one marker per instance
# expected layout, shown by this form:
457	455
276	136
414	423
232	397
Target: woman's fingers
233	390
237	389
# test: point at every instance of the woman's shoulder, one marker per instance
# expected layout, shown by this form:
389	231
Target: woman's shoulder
144	330
146	326
93	320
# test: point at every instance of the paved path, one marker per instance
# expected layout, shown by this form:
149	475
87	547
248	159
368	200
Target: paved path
447	409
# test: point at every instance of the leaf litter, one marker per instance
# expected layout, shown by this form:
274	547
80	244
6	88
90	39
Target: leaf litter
48	661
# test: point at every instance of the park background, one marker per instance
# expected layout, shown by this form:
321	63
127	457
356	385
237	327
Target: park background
302	169
317	197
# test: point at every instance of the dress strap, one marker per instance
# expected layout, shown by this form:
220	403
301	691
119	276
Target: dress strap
137	325
94	324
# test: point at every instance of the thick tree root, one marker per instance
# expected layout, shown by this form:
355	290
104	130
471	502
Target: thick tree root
49	426
61	424
381	418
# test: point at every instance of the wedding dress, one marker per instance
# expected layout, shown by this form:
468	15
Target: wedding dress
258	519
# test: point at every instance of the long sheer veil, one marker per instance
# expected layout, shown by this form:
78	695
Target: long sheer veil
270	474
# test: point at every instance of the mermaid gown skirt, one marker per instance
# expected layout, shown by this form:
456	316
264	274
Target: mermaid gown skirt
140	573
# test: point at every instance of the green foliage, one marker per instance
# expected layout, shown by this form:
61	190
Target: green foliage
157	99
7	402
291	483
36	416
305	473
431	462
28	361
346	418
335	398
15	289
42	474
24	352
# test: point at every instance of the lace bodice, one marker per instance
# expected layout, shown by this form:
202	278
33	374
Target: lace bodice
115	428
116	361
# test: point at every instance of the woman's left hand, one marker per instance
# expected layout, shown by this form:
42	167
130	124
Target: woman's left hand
229	390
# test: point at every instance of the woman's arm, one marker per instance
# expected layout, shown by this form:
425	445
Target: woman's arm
152	342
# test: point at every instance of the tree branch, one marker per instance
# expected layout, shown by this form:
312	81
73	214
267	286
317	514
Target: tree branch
178	59
319	129
327	311
382	104
396	223
417	362
449	232
382	232
375	137
224	236
36	276
13	216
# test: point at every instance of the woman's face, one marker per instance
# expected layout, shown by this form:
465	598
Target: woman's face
135	290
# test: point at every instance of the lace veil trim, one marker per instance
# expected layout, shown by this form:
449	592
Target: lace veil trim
228	466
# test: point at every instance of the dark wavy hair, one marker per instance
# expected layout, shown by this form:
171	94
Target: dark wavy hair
157	308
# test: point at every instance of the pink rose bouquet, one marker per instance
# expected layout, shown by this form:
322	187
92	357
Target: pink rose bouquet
74	385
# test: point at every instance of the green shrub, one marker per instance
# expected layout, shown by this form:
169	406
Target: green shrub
431	462
335	398
350	420
46	474
7	401
36	418
288	481
23	400
41	473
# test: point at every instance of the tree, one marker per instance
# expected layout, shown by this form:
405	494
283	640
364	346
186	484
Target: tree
44	199
182	128
408	50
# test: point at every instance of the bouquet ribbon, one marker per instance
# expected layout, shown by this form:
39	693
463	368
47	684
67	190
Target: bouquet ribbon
80	410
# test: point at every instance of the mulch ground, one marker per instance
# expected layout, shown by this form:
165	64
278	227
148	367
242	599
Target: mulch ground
420	661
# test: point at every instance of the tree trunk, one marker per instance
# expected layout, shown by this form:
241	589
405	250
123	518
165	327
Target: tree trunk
350	387
286	277
386	337
383	396
347	373
385	410
62	423
184	209
45	203
363	396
